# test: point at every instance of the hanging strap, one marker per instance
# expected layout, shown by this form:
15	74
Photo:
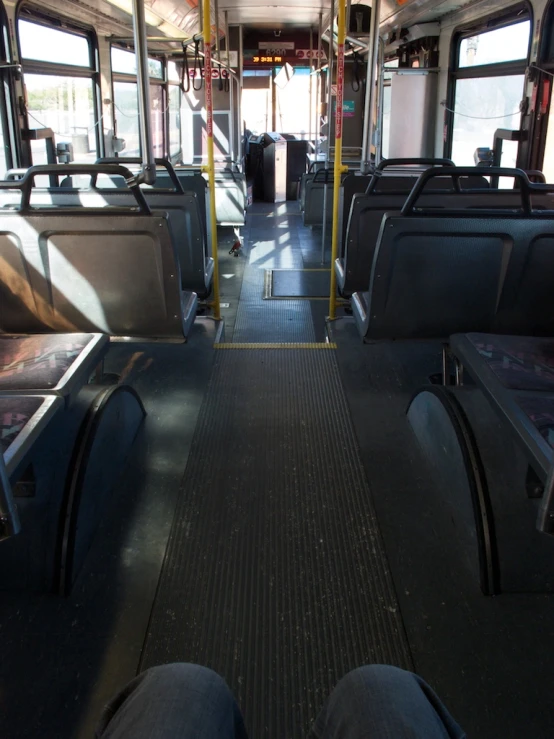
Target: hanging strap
185	72
197	65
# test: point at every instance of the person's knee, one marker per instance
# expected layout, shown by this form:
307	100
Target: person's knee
184	675
186	682
193	700
373	678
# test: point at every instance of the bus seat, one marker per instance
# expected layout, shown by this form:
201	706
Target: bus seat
314	197
435	276
453	272
230	198
516	374
112	271
59	364
22	419
390	174
182	211
366	214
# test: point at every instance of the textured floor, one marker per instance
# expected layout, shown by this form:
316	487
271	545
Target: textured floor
296	283
275	574
489	659
274	238
64	658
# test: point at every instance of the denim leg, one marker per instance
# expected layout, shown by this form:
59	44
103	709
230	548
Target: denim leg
383	702
174	701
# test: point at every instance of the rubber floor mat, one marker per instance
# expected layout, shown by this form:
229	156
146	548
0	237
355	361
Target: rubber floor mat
307	284
275	574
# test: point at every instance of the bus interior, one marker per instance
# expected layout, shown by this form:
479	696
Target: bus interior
277	354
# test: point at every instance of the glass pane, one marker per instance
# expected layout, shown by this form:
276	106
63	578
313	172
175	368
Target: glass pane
124	62
502	45
157	118
64	104
155	68
50	45
293	104
494	101
385	121
173	72
174	120
256	109
127	118
126	115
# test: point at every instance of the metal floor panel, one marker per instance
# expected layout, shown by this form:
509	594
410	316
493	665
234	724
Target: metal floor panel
275	574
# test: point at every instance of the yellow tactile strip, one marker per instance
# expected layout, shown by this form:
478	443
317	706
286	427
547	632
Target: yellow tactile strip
312	345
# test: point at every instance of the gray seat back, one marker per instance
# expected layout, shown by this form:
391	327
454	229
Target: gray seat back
182	210
390	174
230	198
230	194
366	215
314	197
434	275
113	271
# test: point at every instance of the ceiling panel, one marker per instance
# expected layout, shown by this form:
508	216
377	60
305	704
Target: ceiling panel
275	14
417	11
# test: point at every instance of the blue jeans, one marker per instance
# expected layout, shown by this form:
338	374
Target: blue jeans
182	701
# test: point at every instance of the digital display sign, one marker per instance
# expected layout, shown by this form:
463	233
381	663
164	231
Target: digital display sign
267	59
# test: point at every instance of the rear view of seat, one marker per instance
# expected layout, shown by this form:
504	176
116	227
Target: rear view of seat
63	443
314	197
113	271
390	174
453	272
387	192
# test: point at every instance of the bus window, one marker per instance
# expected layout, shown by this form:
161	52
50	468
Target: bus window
257	109
126	101
386	109
293	104
174	120
56	97
489	85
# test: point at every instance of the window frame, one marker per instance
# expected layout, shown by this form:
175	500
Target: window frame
8	111
30	13
509	17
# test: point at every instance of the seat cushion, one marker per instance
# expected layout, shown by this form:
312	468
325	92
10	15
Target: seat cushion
519	362
42	362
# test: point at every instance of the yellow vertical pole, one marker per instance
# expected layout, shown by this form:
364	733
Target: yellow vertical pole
339	169
210	169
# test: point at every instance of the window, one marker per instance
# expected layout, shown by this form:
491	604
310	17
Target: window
64	104
173	72
60	85
489	79
293	103
126	102
174	120
494	98
45	44
494	47
7	129
386	107
125	62
127	114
